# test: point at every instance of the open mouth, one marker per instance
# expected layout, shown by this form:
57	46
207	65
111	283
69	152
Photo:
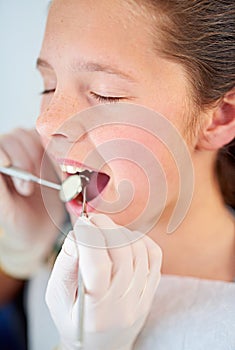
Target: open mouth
95	183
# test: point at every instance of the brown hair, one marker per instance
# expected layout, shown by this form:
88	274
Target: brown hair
200	34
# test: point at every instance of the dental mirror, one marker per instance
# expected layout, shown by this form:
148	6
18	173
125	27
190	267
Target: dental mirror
72	187
69	189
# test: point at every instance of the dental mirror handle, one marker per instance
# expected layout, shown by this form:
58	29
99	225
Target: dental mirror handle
81	287
26	176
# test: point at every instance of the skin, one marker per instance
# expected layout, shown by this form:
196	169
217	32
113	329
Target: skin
78	32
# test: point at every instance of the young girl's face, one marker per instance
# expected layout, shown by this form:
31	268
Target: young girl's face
101	52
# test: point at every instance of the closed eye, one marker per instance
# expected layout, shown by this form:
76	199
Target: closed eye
100	98
106	99
49	91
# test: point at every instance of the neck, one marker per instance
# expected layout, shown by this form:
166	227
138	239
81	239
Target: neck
204	244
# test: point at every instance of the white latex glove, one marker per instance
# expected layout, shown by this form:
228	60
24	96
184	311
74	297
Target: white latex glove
120	285
28	231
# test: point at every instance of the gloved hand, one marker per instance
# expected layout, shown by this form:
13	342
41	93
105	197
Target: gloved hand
120	284
28	231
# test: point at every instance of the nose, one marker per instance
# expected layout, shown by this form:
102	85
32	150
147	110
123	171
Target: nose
58	119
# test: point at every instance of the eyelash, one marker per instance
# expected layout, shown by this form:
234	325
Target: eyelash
45	92
109	99
101	99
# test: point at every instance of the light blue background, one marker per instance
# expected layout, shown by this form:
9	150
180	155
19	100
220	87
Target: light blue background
22	24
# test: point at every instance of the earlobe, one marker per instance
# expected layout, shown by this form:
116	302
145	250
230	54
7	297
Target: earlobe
221	127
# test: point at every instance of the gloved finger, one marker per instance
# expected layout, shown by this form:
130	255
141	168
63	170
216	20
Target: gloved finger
155	258
141	271
4	189
4	159
122	272
19	158
32	147
153	279
42	165
6	200
33	152
121	257
94	262
62	286
116	236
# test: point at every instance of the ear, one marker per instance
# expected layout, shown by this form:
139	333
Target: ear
220	128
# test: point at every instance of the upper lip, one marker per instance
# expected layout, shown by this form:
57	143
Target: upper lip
62	161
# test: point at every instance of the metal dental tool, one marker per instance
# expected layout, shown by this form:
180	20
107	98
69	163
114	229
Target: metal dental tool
84	202
26	176
81	287
69	189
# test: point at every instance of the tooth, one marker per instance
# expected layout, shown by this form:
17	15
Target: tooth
63	167
71	169
79	169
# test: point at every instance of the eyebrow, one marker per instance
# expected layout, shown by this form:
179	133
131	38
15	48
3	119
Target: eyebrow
90	67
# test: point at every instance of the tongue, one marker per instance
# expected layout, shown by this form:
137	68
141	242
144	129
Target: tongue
97	183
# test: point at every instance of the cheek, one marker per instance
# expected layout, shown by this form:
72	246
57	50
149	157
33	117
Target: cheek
142	192
144	173
129	175
131	191
45	101
132	150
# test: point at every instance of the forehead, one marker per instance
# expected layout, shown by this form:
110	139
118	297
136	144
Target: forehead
119	11
106	25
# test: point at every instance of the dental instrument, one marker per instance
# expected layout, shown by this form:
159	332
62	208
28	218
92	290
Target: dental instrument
69	189
81	287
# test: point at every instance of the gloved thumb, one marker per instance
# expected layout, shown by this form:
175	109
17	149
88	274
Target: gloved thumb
63	282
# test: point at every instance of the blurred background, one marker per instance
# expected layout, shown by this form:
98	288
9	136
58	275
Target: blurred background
21	31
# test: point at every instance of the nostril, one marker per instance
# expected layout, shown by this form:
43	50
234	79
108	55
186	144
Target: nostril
72	129
60	131
48	127
60	134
